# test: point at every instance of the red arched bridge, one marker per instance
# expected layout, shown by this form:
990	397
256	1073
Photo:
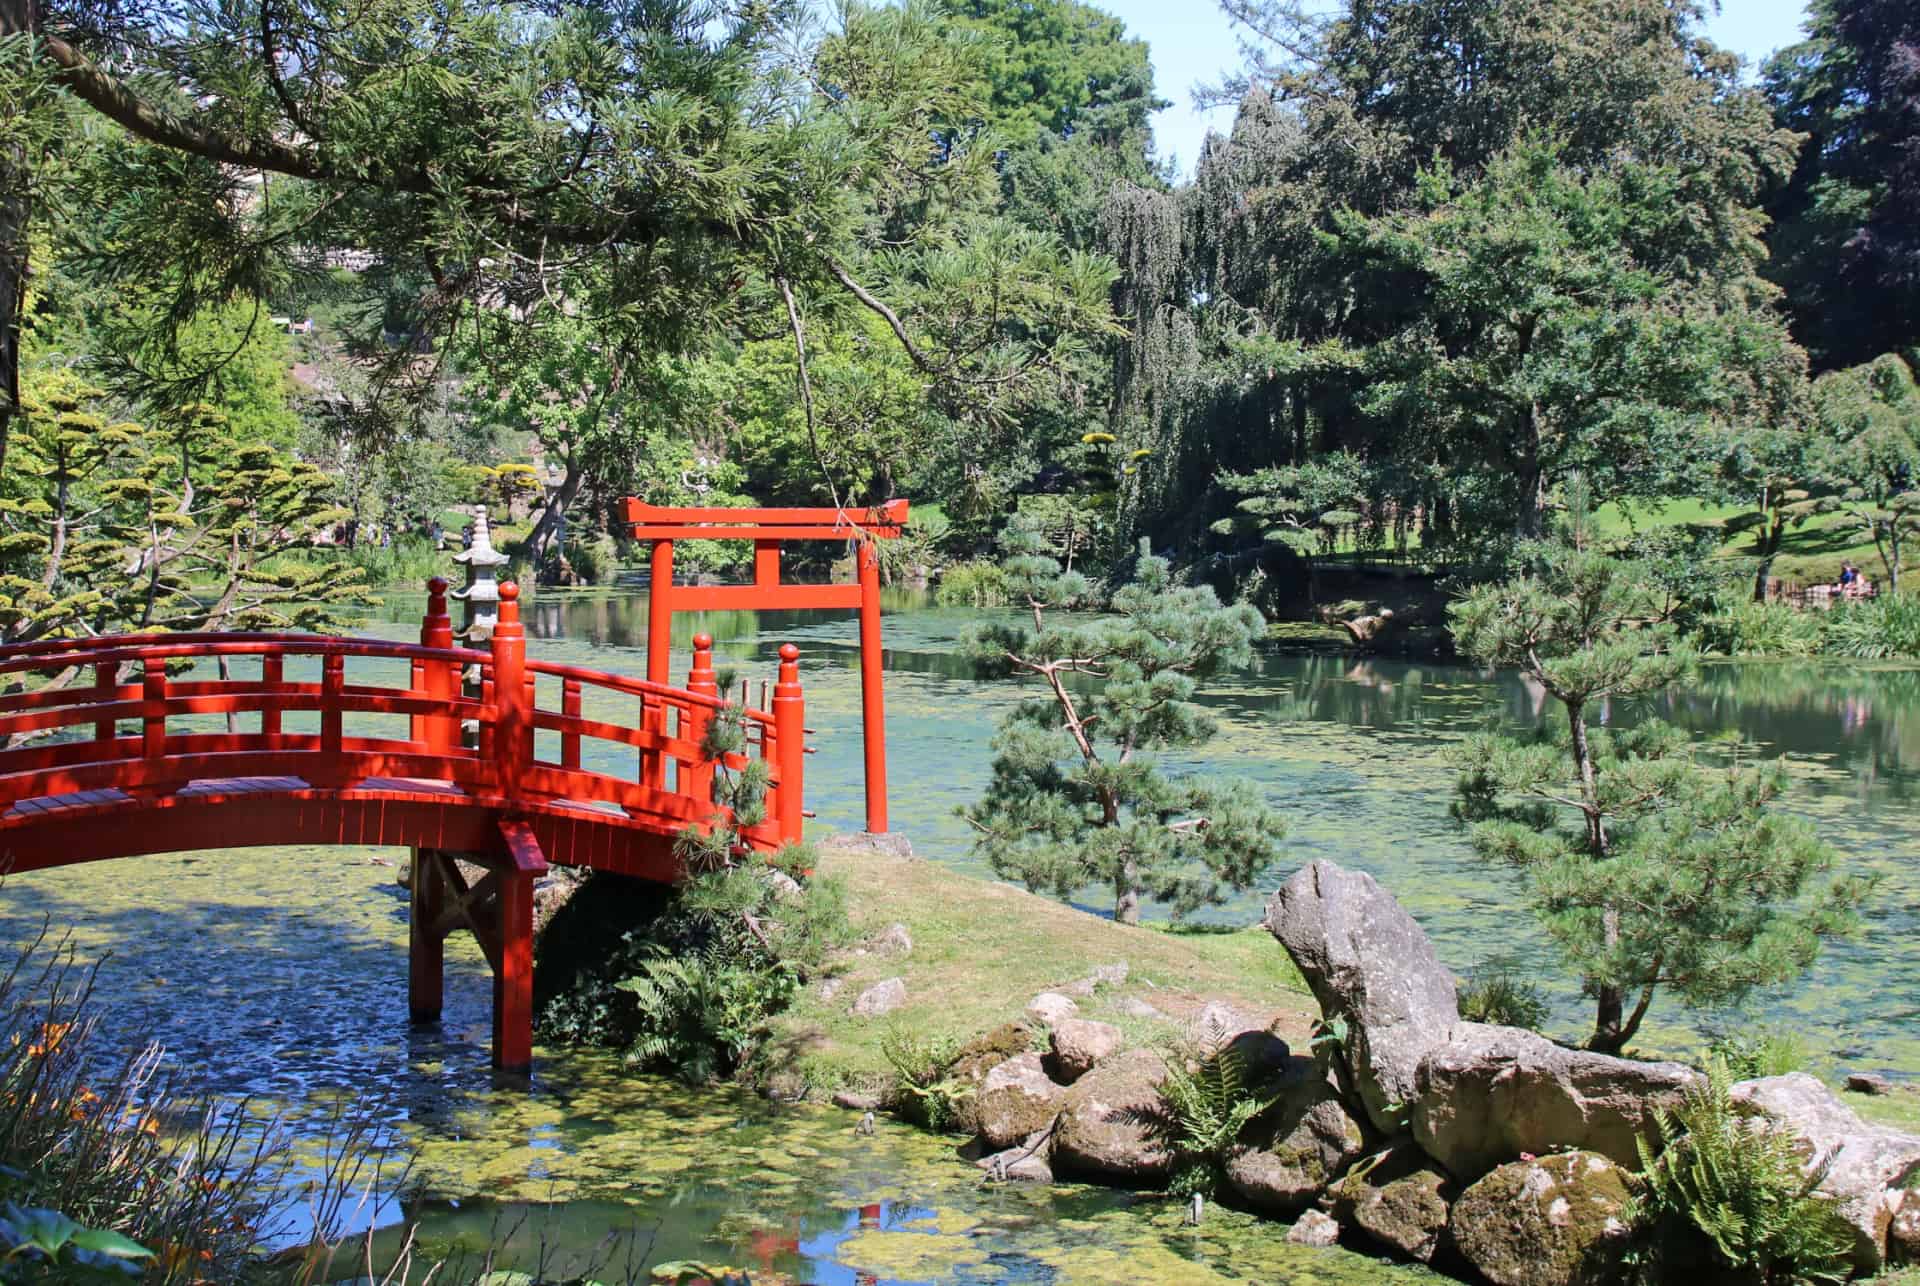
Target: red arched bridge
471	758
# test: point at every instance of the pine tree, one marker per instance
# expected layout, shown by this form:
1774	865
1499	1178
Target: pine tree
1647	867
1075	799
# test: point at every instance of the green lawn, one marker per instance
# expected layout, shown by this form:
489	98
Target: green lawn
981	949
1809	554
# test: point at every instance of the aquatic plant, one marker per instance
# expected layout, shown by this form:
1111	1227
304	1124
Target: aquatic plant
1737	1189
1875	630
1737	625
976	583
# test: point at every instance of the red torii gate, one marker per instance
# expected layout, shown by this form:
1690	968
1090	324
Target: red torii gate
767	529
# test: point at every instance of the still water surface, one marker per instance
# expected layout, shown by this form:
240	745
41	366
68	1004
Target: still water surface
281	973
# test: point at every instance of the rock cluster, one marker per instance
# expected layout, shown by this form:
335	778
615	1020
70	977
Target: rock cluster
1503	1150
1487	1151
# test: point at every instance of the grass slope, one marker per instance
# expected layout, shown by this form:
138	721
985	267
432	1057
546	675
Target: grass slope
1809	554
981	950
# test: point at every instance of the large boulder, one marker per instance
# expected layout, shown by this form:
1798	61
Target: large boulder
1290	1153
1868	1166
1079	1044
1400	1199
1371	967
1555	1221
1107	1128
1492	1093
1013	1100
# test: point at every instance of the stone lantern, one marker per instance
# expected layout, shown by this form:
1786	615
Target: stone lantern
481	598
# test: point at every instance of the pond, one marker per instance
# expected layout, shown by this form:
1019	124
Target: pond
280	974
1353	753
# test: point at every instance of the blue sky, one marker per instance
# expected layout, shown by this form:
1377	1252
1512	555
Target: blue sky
1192	41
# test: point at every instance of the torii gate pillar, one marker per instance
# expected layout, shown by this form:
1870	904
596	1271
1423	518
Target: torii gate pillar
768	529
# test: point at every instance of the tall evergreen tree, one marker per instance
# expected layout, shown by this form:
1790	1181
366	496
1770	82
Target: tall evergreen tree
1846	237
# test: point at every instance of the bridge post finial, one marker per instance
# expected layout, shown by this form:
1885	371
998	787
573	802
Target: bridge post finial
513	725
440	681
790	742
702	681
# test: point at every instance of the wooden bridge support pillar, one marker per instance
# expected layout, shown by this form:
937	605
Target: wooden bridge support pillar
426	950
498	910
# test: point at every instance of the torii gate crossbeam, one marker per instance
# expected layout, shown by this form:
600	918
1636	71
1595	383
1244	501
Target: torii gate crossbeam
768	529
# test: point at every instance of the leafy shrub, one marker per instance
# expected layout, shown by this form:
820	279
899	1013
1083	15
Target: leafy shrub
979	582
1211	1093
1494	994
1876	629
922	1091
595	560
1738	626
1766	1051
700	1015
690	978
1733	1188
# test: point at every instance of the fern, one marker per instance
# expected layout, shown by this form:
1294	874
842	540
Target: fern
1211	1093
922	1090
1737	1183
700	1015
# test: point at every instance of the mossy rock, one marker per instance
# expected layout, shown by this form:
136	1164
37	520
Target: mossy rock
1554	1221
984	1053
1398	1197
1291	1152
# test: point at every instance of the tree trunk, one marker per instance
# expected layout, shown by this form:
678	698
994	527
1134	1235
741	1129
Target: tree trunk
542	539
1126	893
16	18
1531	522
1770	538
1610	1033
1609	1029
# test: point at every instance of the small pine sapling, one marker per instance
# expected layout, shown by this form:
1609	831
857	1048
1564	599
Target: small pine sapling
1076	800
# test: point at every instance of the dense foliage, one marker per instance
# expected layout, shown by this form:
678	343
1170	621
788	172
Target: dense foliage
1738	1188
686	979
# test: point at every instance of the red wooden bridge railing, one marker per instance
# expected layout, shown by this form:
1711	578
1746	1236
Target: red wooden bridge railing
128	747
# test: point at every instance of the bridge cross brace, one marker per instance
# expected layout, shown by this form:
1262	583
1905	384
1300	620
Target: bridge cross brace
498	910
